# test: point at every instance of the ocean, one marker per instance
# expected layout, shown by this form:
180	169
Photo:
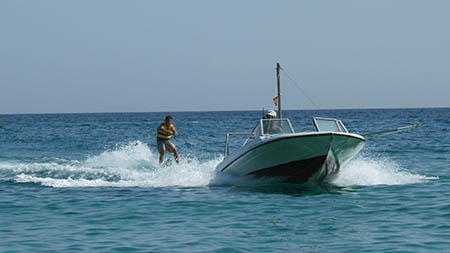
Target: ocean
92	183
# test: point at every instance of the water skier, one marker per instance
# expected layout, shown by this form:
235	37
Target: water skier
165	132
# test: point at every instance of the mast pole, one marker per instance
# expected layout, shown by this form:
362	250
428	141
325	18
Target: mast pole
279	93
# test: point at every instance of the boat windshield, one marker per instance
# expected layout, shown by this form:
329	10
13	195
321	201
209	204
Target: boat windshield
329	125
276	126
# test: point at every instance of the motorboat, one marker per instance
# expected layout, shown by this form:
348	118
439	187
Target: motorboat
274	150
292	157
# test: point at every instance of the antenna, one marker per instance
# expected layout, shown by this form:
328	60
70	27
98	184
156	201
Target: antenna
279	93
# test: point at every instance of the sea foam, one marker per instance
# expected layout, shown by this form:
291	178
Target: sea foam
129	165
367	171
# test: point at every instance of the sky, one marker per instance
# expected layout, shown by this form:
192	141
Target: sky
144	56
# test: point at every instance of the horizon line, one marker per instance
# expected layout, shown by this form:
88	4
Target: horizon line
250	110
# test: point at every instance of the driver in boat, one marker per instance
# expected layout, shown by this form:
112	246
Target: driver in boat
165	132
270	125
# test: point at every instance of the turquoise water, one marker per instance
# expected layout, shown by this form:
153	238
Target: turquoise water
91	182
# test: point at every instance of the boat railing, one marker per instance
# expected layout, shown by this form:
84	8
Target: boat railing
227	141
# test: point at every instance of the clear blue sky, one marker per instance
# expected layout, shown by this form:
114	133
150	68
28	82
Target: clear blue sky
140	56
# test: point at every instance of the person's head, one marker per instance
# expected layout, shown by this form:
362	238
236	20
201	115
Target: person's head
168	120
271	114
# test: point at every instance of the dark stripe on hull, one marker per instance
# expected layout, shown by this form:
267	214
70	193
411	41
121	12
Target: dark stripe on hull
296	171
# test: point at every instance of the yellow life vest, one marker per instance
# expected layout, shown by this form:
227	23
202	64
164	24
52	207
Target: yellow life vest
162	129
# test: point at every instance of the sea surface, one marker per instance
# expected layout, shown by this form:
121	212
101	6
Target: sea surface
92	183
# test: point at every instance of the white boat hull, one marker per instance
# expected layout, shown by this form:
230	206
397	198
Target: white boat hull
294	158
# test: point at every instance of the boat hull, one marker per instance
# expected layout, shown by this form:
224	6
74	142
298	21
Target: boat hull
294	158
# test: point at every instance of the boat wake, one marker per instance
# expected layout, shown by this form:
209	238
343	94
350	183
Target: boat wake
130	165
136	165
368	171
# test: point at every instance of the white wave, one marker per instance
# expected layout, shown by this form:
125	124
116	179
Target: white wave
136	165
132	155
192	174
129	165
69	182
47	167
365	171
